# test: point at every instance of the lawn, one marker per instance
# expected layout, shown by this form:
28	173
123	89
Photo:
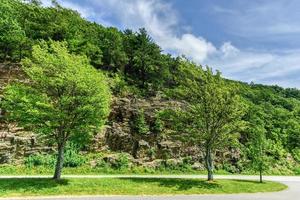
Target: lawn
129	186
88	170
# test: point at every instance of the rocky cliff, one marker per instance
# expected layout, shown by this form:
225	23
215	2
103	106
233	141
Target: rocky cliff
118	135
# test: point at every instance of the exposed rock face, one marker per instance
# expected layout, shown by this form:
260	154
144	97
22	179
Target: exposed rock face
15	144
120	135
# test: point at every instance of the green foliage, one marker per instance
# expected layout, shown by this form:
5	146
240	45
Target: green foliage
72	157
64	96
140	125
121	162
111	44
180	165
40	160
12	35
120	87
61	91
118	162
212	116
297	171
158	124
296	154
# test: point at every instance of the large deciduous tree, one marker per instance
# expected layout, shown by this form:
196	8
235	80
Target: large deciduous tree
212	115
63	97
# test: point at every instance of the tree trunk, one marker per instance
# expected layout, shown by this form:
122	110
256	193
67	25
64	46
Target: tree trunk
59	162
260	176
209	164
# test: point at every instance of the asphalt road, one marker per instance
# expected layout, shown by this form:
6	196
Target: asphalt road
292	193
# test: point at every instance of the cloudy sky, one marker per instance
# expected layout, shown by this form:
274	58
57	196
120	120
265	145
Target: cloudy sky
257	40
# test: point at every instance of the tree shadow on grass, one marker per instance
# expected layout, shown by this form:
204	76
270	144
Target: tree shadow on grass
28	184
180	184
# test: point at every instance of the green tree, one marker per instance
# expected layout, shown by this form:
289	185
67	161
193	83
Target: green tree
11	34
212	117
63	97
111	44
257	146
145	61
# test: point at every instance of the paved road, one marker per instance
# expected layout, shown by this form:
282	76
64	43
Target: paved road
292	193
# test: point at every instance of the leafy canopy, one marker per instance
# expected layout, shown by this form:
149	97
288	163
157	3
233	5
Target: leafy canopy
63	95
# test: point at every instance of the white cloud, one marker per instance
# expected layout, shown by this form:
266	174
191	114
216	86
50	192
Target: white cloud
267	68
161	21
196	48
228	50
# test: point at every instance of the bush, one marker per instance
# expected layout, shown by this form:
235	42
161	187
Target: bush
40	160
139	123
121	87
188	160
73	158
102	164
229	168
121	162
151	152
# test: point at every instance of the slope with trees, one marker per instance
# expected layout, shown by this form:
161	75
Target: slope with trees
136	67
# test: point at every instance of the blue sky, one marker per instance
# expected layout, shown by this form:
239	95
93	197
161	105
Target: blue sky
257	40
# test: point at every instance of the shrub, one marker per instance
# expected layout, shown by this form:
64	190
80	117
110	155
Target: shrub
151	152
139	123
102	164
40	160
229	168
158	125
172	164
73	158
188	160
121	162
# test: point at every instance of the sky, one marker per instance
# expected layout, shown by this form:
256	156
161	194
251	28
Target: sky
252	41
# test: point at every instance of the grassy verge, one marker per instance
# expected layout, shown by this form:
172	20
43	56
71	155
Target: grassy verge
87	170
130	186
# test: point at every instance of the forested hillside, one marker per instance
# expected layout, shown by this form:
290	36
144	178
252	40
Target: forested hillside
147	84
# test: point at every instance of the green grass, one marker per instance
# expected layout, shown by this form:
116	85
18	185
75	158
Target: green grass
87	170
130	186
